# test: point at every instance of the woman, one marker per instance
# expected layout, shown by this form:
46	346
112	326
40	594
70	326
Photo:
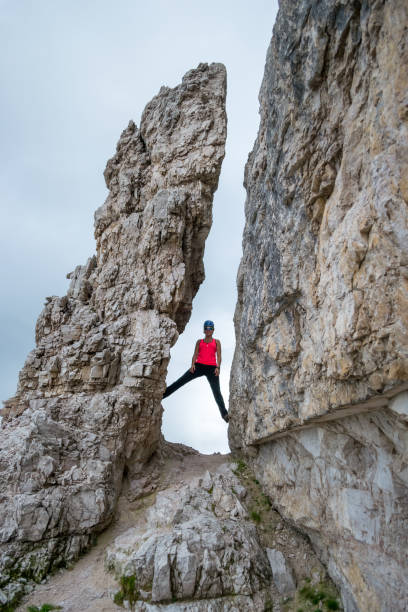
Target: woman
204	364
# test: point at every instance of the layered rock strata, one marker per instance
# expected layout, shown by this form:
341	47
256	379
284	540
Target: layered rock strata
87	405
321	361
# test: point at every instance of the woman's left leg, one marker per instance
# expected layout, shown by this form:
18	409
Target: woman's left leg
215	388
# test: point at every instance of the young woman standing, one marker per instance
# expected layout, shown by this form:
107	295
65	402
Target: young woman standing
207	354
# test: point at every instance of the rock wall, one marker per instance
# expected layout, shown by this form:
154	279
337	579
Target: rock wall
322	314
88	405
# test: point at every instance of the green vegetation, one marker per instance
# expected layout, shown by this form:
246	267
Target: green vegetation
241	467
118	598
315	595
128	591
312	594
44	608
255	516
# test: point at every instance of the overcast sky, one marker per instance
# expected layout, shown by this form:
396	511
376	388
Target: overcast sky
73	73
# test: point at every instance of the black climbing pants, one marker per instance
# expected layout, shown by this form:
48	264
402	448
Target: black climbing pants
201	370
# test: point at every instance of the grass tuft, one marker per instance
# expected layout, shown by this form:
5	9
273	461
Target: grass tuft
118	598
44	608
316	596
332	604
255	516
241	466
128	591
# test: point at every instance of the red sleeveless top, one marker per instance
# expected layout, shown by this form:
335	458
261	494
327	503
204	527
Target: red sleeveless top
207	352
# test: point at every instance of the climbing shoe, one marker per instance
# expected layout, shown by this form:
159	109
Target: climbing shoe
225	417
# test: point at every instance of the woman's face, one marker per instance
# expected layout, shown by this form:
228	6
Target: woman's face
208	332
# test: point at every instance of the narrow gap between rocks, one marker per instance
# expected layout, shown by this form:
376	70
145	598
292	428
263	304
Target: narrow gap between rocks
191	415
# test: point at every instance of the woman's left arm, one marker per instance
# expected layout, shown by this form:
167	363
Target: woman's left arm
217	369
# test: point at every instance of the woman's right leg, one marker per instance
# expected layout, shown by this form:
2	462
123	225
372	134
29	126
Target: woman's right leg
187	376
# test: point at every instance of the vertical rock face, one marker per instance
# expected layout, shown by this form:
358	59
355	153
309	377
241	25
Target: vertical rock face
322	315
88	398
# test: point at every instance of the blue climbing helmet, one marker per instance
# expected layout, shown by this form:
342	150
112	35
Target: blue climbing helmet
208	324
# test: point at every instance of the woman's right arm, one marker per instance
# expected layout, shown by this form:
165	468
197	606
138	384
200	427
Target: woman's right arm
197	346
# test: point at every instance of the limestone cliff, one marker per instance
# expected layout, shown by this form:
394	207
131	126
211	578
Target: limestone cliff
87	405
321	362
82	449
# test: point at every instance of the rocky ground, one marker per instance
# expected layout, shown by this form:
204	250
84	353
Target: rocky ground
195	533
